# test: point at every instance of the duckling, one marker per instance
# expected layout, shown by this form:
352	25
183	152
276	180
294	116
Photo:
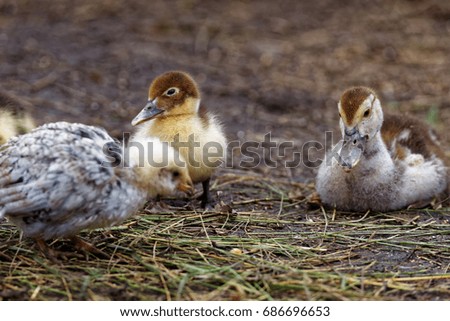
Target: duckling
13	118
174	114
384	162
159	165
62	178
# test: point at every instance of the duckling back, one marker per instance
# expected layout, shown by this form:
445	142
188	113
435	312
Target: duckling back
405	136
412	142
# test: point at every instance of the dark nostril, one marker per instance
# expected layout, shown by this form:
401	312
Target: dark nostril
354	142
350	132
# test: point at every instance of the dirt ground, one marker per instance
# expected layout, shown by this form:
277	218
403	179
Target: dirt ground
274	67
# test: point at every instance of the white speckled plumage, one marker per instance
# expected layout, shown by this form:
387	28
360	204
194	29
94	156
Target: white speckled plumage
399	164
58	180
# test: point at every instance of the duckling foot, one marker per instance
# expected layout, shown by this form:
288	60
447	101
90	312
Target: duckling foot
53	254
162	205
86	247
205	197
420	204
208	207
159	204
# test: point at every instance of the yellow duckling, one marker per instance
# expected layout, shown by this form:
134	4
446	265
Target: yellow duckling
174	114
13	119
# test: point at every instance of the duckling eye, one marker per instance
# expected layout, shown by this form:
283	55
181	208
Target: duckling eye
367	113
171	91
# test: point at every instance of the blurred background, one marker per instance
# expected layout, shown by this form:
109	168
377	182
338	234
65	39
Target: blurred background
263	66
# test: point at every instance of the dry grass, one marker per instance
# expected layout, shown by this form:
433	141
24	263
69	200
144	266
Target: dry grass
271	248
278	67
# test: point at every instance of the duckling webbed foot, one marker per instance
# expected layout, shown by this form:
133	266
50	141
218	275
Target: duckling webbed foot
86	247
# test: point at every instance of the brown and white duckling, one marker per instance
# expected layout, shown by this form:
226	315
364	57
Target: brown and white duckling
382	163
63	177
173	114
14	120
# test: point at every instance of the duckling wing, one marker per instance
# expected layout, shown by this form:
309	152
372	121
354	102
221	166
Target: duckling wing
54	171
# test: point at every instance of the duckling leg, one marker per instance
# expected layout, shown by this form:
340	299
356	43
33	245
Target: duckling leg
82	245
48	252
205	196
160	203
52	254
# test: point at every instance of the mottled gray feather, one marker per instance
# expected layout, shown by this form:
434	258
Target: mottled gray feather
53	183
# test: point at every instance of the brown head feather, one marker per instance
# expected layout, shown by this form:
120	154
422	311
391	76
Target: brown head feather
173	79
352	98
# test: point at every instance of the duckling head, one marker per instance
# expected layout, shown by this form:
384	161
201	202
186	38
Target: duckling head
161	169
174	177
361	118
174	92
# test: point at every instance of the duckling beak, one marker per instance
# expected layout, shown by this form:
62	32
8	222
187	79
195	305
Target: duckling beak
148	112
186	187
351	150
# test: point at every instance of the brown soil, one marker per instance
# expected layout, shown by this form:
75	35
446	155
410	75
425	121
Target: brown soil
274	67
